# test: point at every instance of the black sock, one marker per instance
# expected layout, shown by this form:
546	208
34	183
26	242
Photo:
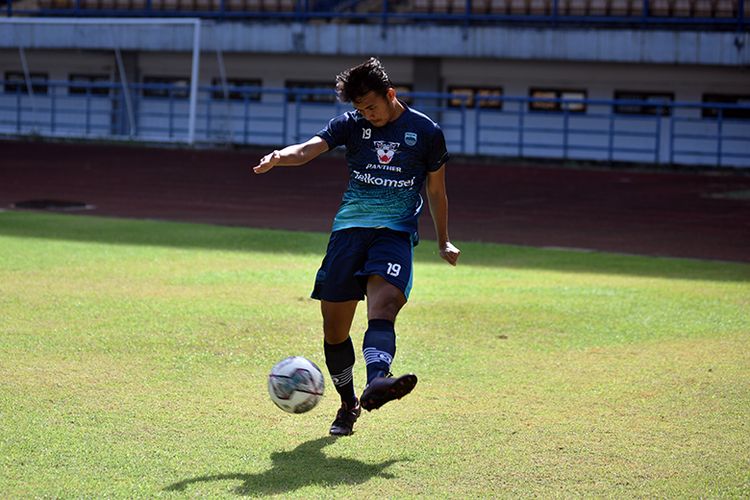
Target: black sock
379	347
340	360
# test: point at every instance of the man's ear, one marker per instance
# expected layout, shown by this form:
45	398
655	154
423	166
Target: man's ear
391	93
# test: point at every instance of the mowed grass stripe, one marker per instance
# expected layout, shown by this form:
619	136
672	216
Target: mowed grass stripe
134	355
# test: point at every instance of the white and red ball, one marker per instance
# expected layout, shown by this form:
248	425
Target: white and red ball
295	384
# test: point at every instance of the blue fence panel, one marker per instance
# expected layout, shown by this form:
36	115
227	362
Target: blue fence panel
160	112
311	117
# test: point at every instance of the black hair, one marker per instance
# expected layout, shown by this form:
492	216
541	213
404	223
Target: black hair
354	83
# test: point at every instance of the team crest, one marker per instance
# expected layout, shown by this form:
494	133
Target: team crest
385	150
410	138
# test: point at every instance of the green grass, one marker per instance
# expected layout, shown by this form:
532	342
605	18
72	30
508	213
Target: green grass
134	355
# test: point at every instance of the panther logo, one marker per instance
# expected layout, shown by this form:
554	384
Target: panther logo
385	150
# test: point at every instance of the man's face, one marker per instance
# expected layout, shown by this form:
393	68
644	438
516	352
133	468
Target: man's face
375	108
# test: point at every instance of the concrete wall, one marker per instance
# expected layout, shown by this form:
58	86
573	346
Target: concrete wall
688	82
595	45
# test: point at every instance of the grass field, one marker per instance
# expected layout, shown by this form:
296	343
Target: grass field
134	355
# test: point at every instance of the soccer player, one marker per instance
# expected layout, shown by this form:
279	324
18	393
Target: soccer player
391	150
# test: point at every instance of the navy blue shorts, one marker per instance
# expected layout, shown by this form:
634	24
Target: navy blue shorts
355	254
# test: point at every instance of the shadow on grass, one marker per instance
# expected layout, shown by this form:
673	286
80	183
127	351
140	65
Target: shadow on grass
306	465
115	231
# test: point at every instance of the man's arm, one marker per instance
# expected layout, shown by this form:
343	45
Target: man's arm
438	199
294	155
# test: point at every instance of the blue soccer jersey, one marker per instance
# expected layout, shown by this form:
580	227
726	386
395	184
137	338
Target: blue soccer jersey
387	168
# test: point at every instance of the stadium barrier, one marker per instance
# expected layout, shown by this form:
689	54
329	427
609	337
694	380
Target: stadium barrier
661	132
678	14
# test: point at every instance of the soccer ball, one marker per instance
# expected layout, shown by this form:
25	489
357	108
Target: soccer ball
295	384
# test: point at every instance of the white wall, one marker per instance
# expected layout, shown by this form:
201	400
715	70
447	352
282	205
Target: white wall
600	79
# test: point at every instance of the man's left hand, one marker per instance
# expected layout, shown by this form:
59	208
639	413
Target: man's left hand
449	253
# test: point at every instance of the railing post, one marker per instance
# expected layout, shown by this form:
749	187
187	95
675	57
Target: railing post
463	126
477	125
285	114
88	110
18	109
720	130
52	110
171	111
297	102
521	111
208	117
740	15
671	136
9	8
467	19
611	138
384	26
657	146
566	117
122	117
245	116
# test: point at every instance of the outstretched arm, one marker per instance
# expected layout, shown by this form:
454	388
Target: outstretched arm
294	155
438	199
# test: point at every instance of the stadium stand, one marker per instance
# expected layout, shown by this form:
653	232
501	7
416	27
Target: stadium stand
442	10
659	81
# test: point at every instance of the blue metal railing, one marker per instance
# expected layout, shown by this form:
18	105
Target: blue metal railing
474	12
501	126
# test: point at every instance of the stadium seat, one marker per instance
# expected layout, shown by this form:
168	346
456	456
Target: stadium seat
620	8
480	6
440	6
682	8
240	5
726	8
577	7
703	8
457	6
270	5
598	8
498	7
421	6
519	7
539	7
659	8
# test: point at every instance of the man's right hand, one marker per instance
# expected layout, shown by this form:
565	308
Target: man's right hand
267	162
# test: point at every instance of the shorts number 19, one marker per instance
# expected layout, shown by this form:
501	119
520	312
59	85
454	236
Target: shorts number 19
394	269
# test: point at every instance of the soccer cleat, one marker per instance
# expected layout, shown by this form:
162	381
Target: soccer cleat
384	389
343	425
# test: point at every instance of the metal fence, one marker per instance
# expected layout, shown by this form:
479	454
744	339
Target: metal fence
500	126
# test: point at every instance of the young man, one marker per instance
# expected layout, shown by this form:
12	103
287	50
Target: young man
391	150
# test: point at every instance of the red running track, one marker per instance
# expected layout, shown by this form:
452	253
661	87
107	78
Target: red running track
679	214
